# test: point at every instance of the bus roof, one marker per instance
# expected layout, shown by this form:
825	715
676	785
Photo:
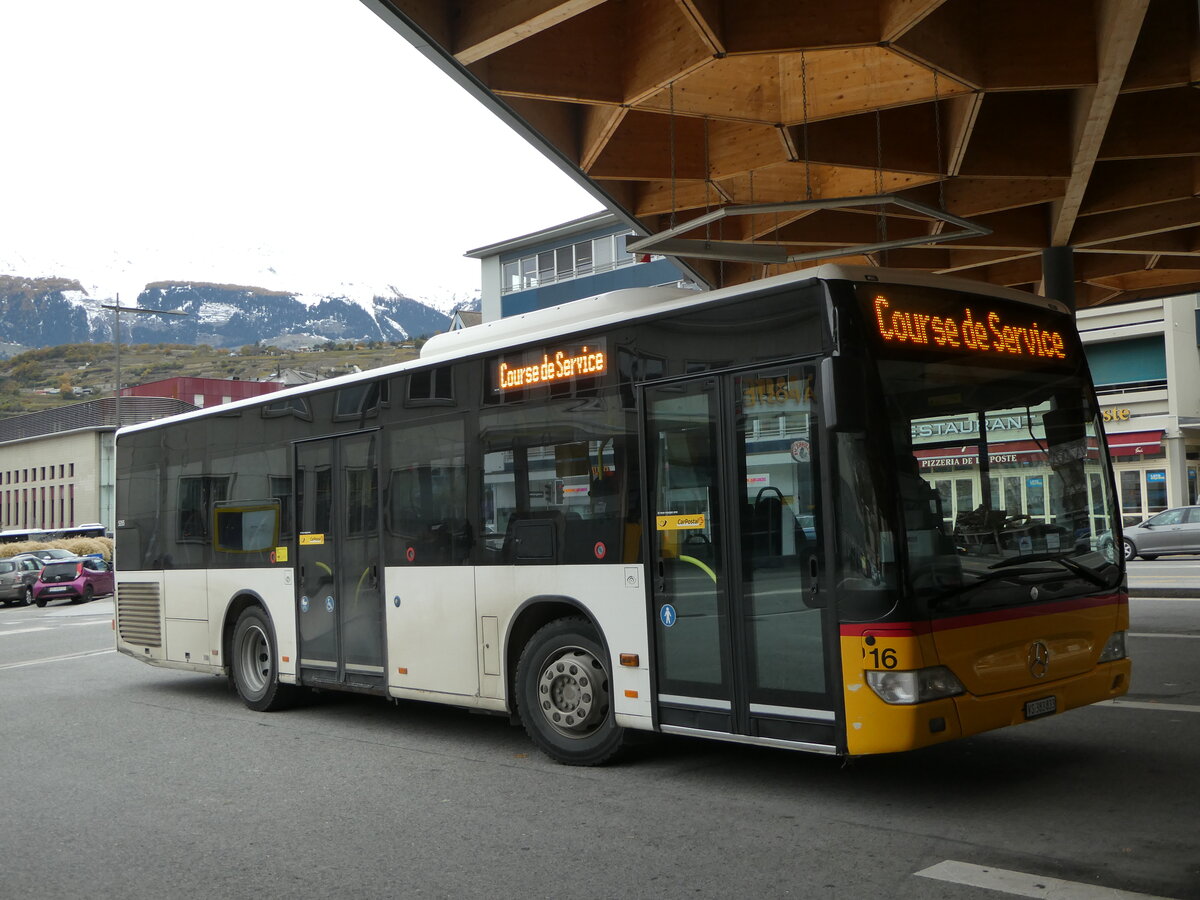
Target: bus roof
603	310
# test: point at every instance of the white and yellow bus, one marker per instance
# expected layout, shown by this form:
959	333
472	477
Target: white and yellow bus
846	511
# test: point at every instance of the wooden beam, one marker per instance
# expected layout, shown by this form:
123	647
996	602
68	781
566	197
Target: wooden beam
1154	123
432	16
905	137
1181	281
856	80
1165	49
768	26
958	116
1127	184
557	122
1132	223
1016	229
486	27
705	16
582	60
946	40
1182	242
1033	45
660	47
599	124
896	17
640	149
1117	27
1020	134
968	197
737	88
734	148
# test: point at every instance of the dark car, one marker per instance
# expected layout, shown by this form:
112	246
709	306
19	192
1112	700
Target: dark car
79	580
17	578
49	553
1174	531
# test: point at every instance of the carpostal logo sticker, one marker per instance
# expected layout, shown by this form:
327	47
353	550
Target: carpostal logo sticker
671	522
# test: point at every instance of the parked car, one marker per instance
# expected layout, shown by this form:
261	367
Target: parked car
18	575
80	579
49	553
1174	531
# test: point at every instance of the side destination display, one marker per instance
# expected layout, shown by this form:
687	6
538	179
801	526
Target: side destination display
552	365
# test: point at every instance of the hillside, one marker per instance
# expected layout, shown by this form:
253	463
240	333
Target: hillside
54	376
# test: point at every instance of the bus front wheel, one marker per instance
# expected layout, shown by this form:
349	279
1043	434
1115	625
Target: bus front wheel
565	694
252	664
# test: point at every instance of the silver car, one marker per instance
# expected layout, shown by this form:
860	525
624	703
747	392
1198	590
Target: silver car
17	577
1174	531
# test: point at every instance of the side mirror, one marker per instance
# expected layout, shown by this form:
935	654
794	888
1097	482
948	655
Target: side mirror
843	393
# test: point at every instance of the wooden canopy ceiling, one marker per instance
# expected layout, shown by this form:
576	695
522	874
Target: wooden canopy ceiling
1051	122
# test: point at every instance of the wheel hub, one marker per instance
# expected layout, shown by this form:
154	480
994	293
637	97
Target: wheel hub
571	692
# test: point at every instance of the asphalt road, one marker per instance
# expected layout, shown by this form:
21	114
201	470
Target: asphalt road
128	781
1165	576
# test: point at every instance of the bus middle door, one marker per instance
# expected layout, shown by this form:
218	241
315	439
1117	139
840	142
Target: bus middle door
339	606
734	518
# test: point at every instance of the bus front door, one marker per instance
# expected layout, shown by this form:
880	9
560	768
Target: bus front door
735	555
339	607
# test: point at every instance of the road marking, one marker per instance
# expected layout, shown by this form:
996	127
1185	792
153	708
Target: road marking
109	622
50	659
25	630
1144	704
1022	884
1161	634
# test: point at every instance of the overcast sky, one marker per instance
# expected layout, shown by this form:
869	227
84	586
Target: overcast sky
197	141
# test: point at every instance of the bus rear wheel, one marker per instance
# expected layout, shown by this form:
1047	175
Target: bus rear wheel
252	663
565	694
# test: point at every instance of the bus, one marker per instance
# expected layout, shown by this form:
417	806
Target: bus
845	510
89	530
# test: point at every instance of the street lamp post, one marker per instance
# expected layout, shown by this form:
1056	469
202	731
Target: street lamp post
117	309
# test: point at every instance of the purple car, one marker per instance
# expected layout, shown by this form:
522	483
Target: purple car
79	580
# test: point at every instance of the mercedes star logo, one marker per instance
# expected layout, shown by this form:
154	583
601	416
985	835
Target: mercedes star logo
1039	659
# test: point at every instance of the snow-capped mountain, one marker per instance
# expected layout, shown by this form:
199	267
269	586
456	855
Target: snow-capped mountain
47	311
106	274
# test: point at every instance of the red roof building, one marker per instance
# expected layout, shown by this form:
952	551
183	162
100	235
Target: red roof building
202	391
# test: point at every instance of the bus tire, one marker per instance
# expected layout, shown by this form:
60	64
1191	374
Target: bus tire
252	666
564	692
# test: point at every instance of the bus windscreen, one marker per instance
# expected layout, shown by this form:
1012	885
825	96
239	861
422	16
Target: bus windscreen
996	445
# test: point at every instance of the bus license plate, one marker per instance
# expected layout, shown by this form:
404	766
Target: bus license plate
1043	707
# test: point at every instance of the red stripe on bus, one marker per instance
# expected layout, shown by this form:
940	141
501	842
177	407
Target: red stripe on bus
912	629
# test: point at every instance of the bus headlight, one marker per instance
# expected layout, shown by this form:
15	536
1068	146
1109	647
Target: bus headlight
915	686
1114	649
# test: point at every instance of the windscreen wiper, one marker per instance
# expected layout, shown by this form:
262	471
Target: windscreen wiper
1076	567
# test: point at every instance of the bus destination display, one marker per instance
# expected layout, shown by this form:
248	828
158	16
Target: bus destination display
552	366
977	328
